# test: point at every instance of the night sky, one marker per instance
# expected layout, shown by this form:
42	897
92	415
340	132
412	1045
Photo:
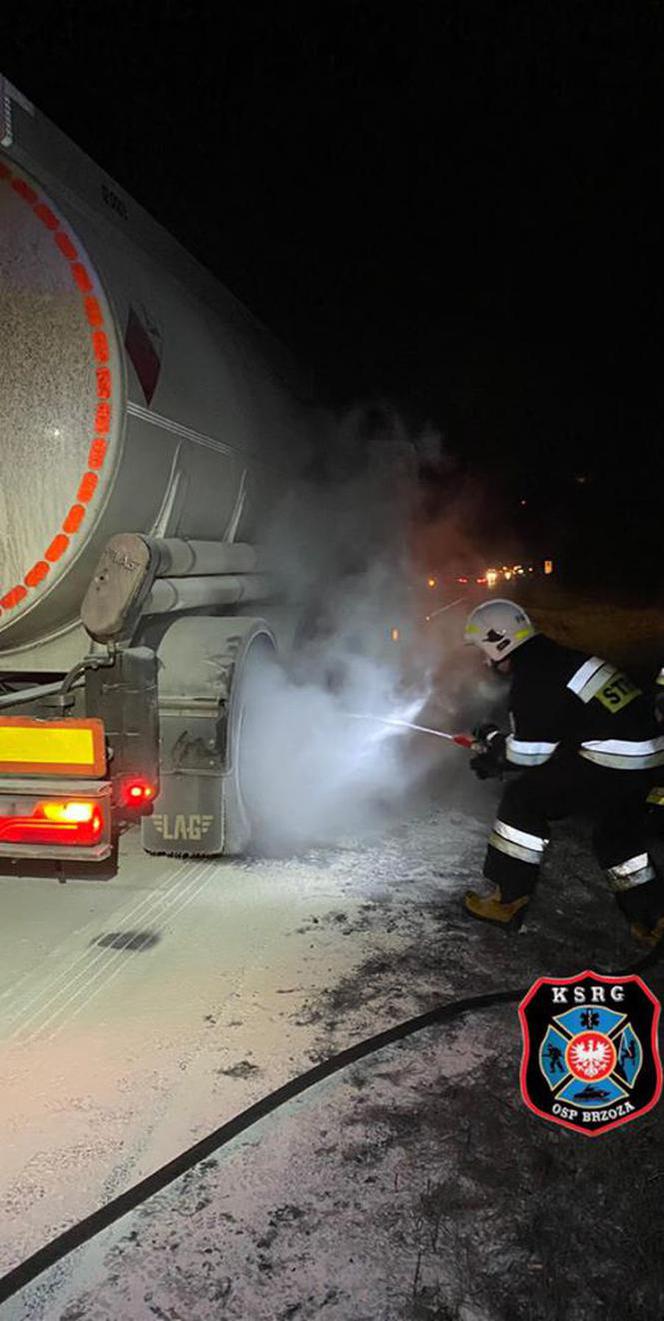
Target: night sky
457	205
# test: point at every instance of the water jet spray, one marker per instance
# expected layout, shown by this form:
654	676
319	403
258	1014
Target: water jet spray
461	740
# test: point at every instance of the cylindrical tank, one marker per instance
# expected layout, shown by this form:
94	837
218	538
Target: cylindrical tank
136	394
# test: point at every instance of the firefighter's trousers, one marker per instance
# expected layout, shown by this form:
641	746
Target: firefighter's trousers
567	786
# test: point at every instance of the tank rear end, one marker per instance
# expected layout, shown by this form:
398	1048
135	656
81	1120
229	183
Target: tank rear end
61	382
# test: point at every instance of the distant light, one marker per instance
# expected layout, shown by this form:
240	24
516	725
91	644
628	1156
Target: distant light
581	478
548	566
508	574
395	634
432	582
491	577
523	503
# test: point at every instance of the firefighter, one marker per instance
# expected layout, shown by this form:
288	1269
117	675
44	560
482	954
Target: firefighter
585	738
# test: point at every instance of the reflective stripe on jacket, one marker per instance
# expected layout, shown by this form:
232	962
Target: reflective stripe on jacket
564	701
523	753
624	755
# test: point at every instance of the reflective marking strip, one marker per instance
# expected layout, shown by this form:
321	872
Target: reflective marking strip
585	690
617	763
635	871
626	748
623	755
95	316
532	856
660	676
656	796
72	747
522	753
520	836
589	667
632	865
598	681
523	633
47	746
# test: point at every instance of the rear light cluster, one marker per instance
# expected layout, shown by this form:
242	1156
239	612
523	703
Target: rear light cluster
138	794
59	822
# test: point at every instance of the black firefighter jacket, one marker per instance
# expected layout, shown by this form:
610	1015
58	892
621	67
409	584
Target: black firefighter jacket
565	701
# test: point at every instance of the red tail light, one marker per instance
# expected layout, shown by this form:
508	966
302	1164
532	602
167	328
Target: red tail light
63	822
137	793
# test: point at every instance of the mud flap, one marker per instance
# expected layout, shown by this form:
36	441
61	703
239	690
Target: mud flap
200	809
197	816
188	818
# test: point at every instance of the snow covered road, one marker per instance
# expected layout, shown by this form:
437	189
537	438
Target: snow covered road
138	1015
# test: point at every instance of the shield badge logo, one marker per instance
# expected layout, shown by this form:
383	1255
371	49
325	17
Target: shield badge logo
590	1051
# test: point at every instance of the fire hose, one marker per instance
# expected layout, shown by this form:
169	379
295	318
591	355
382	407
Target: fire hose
104	1217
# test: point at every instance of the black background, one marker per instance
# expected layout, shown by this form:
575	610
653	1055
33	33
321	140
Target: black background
455	204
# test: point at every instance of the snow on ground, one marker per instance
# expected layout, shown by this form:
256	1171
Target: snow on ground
415	1185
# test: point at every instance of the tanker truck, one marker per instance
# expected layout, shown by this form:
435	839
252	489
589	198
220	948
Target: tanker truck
148	425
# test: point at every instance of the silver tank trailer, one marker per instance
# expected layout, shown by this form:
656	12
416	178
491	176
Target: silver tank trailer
137	394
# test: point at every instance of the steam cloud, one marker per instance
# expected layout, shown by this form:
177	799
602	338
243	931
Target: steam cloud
343	542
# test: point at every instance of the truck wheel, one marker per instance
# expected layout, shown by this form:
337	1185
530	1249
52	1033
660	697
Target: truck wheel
237	805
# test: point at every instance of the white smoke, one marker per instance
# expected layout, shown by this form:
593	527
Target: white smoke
311	774
314	775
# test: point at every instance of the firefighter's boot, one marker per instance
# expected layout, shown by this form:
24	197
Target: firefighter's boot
492	908
649	936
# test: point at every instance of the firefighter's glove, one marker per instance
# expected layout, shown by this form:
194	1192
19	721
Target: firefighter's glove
489	761
483	736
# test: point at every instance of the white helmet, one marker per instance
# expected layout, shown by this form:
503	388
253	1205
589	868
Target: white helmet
498	627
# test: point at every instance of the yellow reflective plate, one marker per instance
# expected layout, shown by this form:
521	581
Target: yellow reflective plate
56	747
